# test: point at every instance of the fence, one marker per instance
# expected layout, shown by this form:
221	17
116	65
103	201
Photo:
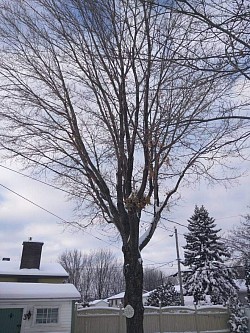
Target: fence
247	313
167	319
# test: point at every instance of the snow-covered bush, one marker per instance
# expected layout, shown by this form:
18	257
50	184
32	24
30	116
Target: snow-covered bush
166	294
216	297
238	321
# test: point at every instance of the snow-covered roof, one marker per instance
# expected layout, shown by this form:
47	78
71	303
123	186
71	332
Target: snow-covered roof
19	290
46	269
147	294
97	301
121	295
241	284
117	296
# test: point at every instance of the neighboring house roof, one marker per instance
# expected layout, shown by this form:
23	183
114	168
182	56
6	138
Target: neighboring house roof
17	290
147	294
241	284
12	268
97	301
121	295
117	296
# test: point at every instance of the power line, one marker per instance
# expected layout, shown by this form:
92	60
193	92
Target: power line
68	192
75	195
100	239
55	215
164	218
68	222
35	204
39	181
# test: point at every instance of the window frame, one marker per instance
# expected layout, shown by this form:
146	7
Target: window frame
47	307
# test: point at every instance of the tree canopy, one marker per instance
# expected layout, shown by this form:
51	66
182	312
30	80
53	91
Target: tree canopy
225	22
90	92
99	96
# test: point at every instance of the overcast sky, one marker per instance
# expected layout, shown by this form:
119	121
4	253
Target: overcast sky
21	219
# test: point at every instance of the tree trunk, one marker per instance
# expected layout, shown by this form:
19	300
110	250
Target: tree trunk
133	273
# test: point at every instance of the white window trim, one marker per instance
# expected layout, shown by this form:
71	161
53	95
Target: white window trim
47	307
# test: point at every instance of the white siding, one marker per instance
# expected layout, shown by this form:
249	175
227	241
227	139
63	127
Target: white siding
30	326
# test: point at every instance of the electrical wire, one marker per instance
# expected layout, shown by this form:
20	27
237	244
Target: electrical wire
68	192
73	194
40	181
55	215
72	223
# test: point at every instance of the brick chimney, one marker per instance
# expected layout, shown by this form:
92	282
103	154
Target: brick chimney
31	255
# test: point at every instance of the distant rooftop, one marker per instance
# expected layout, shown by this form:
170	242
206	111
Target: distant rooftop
96	301
117	296
241	284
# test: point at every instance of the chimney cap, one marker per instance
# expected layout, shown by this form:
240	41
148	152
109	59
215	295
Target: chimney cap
33	242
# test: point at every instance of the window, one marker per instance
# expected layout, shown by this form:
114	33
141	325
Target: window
47	316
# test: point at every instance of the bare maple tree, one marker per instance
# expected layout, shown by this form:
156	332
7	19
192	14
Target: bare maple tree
91	92
238	241
153	278
225	24
73	262
96	275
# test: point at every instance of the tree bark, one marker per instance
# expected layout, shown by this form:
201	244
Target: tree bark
133	272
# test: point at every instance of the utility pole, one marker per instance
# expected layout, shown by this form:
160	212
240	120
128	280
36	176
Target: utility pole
179	265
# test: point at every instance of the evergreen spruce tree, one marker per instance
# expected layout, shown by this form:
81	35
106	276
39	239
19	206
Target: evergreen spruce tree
166	294
204	255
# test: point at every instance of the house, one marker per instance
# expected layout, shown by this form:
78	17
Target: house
99	303
145	297
36	307
30	269
33	296
118	299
